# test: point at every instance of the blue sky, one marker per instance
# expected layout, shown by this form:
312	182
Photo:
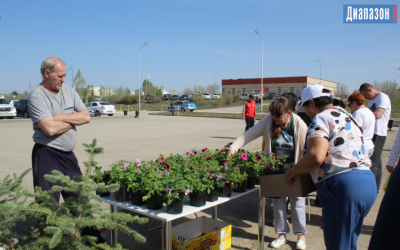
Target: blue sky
188	37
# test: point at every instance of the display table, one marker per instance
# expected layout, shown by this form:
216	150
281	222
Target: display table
166	218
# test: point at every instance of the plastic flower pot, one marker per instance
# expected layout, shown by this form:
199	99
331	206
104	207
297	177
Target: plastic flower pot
257	181
213	195
175	207
225	191
120	195
137	197
241	187
155	202
106	194
198	199
251	182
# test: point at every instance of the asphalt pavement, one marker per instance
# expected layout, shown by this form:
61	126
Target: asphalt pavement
144	138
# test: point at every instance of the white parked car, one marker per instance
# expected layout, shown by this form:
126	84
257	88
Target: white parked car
6	109
206	96
244	96
100	108
216	96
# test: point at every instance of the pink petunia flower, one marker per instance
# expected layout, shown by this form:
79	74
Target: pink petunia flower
226	160
187	153
203	150
238	165
258	158
124	167
138	162
226	168
169	190
275	155
187	191
244	156
194	152
268	166
162	158
177	194
219	177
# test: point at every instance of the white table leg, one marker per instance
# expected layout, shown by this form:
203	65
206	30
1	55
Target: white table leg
114	232
261	221
214	212
166	235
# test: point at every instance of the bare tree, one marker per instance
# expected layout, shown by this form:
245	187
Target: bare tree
387	87
342	92
187	91
213	88
199	89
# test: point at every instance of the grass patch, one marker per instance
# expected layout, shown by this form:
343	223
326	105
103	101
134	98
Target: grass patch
163	105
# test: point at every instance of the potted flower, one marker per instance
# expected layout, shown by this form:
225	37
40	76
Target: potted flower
236	172
117	176
198	177
177	189
101	177
133	177
153	181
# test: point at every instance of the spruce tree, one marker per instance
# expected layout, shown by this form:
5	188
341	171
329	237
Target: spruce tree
12	207
63	223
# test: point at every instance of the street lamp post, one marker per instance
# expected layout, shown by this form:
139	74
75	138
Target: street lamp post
262	68
319	71
146	75
139	75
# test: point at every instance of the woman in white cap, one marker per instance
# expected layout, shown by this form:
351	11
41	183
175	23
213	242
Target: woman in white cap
284	134
339	165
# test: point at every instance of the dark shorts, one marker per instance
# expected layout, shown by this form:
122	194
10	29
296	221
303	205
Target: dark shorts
46	159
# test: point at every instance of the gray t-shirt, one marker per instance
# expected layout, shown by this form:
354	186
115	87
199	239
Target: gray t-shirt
43	104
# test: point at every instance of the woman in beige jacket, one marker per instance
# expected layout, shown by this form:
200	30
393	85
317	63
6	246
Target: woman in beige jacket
284	134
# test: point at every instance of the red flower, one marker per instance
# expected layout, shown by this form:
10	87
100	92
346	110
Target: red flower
225	160
191	169
203	150
211	171
227	184
275	155
258	158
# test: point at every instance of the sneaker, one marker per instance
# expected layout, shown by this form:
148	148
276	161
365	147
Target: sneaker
277	243
301	245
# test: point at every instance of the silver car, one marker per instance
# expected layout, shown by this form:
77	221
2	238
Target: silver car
100	108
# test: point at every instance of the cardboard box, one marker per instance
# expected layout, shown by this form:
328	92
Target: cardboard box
275	186
202	234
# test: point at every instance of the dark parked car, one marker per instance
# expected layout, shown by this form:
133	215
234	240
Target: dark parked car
166	97
174	97
147	97
271	95
184	97
22	108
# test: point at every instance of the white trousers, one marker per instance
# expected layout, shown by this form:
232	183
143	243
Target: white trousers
298	208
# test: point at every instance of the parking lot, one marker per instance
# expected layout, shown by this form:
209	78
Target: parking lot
128	138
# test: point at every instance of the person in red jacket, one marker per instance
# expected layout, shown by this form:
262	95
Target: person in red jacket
249	113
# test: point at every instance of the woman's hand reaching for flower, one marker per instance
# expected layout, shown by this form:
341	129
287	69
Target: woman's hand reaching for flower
231	153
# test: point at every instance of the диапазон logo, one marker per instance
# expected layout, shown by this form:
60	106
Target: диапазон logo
365	13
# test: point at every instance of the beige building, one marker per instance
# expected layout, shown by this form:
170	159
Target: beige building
278	85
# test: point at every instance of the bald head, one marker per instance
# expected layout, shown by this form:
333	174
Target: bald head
49	64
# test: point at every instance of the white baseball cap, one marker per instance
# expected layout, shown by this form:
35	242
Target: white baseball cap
313	91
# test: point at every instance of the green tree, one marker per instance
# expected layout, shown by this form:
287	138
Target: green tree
150	89
80	83
63	223
15	93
